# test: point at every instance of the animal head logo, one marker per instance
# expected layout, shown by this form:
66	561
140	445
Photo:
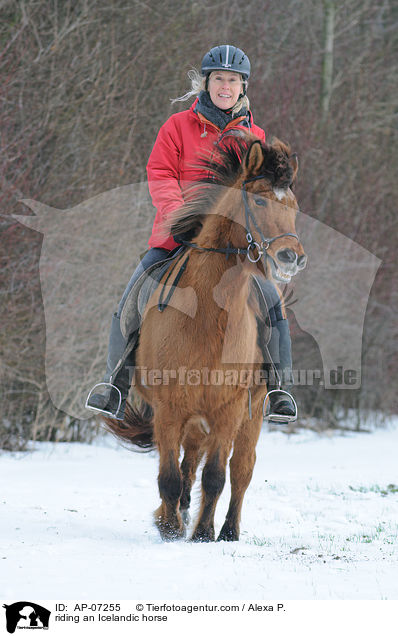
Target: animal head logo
25	614
90	251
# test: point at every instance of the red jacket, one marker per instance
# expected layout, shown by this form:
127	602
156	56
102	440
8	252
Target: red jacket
171	165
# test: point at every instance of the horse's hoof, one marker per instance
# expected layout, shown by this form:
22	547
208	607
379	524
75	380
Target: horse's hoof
203	535
228	533
169	531
171	534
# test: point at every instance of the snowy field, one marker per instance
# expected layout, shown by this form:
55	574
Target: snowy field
319	521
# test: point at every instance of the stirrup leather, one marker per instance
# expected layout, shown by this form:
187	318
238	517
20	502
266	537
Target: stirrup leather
97	410
276	417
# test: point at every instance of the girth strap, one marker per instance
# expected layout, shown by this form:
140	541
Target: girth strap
162	304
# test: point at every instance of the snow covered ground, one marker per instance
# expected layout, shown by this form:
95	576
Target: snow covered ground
319	521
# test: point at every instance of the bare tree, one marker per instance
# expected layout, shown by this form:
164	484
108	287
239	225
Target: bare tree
327	64
84	89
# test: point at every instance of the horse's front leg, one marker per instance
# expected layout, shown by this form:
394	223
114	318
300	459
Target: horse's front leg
167	516
193	454
241	470
213	480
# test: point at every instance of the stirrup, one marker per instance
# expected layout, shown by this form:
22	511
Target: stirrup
276	417
103	411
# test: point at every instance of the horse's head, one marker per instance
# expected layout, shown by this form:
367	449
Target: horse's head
246	201
268	172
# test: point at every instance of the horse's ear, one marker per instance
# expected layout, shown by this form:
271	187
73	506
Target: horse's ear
293	161
281	146
254	158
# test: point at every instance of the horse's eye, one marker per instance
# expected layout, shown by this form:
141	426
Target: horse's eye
260	201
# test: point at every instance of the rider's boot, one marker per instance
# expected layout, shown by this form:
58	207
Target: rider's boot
111	399
282	406
275	343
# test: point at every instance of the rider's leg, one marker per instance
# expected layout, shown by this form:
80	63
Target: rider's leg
280	352
108	400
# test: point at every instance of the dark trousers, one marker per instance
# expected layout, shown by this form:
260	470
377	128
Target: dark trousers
151	257
117	342
279	345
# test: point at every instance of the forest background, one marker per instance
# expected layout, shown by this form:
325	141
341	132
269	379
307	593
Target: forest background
85	86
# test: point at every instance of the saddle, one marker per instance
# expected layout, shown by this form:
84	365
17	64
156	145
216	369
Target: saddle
140	298
140	295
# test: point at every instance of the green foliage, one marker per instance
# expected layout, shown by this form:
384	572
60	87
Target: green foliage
390	489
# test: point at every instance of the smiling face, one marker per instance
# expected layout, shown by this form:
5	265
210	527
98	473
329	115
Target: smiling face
224	88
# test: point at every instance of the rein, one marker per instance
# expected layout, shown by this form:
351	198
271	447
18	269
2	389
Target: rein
261	247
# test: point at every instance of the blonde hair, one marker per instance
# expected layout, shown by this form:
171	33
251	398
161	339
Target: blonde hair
198	84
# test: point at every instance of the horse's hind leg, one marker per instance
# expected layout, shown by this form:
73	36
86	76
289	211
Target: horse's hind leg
168	439
241	470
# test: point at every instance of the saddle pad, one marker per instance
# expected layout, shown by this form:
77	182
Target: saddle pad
140	293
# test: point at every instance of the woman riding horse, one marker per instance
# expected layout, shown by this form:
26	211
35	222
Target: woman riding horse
220	108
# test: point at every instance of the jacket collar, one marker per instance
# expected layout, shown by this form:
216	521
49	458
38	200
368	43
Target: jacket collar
234	122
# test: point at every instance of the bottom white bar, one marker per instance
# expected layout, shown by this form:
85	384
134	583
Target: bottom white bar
278	618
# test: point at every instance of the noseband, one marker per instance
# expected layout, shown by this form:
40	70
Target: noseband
261	247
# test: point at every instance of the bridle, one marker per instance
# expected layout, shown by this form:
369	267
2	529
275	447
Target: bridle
249	216
252	245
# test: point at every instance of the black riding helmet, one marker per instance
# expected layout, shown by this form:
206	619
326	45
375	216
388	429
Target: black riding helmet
226	58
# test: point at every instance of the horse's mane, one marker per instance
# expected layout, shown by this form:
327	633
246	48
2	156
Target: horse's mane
225	168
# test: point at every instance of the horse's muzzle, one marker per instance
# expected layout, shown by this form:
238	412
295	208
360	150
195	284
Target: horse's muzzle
290	262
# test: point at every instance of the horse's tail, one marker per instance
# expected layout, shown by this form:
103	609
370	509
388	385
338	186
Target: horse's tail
136	428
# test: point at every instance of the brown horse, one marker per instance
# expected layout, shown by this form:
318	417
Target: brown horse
202	356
